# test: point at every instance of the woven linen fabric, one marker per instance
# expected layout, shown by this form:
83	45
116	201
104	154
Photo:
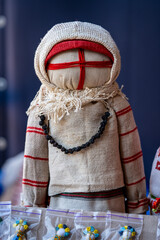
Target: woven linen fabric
113	161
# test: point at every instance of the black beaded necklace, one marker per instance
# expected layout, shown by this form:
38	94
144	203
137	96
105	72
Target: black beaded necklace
78	148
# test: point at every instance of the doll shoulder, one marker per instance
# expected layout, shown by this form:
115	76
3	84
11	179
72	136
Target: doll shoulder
119	104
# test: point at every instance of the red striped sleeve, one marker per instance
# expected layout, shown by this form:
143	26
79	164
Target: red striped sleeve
36	158
35	183
35	130
30	131
28	180
126	133
132	158
134	183
124	111
138	204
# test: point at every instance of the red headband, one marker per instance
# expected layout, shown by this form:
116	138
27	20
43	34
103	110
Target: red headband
80	44
84	44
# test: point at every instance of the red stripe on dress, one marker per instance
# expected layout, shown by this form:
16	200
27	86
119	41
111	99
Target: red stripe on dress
131	159
35	128
124	111
134	183
138	206
36	158
28	180
126	133
105	195
30	131
34	185
81	196
138	202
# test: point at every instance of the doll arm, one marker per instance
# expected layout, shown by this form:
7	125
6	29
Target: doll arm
35	166
131	157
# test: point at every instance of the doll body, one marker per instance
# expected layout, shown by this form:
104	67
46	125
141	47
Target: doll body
73	100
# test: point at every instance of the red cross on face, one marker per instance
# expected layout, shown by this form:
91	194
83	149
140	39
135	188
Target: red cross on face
81	62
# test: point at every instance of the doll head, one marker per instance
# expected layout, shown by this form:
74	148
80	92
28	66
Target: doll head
77	42
77	64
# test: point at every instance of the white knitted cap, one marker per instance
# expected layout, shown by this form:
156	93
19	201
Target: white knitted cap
75	30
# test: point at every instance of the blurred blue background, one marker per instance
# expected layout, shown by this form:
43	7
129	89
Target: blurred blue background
135	27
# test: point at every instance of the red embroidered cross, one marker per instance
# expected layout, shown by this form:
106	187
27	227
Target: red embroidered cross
82	64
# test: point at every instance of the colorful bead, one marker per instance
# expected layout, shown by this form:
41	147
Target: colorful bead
127	233
62	231
21	227
91	233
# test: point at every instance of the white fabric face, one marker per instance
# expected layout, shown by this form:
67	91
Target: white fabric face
68	78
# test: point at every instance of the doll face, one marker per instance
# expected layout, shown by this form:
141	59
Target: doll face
68	78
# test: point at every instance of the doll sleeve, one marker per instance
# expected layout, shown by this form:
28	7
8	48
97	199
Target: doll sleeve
131	158
35	166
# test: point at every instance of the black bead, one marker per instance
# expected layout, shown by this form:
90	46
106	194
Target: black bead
74	149
77	149
101	129
63	149
41	123
97	135
55	144
44	127
103	124
104	117
91	140
46	131
48	137
105	121
42	117
70	150
107	114
88	144
52	141
83	146
59	146
100	132
66	151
